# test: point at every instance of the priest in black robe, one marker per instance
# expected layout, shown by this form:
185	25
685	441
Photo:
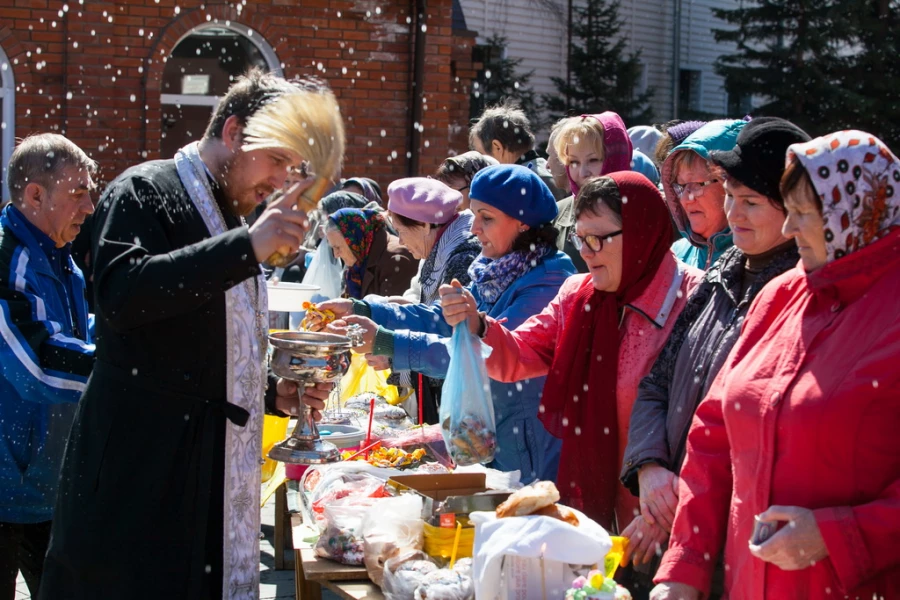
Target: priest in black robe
159	489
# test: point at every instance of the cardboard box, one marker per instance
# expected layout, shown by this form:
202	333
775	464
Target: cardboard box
459	493
536	579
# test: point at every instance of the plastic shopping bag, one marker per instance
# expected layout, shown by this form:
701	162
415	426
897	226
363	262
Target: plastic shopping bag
342	538
534	556
467	409
360	378
393	527
324	271
404	573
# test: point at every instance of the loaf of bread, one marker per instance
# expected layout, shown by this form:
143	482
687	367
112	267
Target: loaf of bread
557	511
529	500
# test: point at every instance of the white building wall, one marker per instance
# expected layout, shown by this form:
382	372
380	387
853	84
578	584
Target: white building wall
699	49
536	32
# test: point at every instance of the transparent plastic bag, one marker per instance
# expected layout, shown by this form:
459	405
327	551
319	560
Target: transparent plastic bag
342	539
467	409
393	527
404	573
324	271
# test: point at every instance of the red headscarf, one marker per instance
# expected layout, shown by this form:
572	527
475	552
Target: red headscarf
617	146
579	399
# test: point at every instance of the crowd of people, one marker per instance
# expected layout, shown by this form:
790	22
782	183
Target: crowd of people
689	323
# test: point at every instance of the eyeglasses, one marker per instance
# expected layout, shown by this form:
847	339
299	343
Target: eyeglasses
594	242
462	189
694	187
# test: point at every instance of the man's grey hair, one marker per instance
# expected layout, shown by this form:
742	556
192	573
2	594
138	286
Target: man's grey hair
505	123
41	159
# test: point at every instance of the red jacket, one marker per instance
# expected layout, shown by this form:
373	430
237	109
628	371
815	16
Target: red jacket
805	412
646	324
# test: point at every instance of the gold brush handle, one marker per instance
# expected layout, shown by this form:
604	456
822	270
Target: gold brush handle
307	202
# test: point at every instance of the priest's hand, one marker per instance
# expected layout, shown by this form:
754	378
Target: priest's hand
315	397
341	307
674	591
281	227
286	399
458	305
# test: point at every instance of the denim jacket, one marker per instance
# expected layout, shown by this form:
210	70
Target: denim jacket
421	342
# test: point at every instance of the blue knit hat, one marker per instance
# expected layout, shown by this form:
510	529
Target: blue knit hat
517	191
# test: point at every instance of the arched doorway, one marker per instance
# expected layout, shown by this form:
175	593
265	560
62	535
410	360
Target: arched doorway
199	71
7	118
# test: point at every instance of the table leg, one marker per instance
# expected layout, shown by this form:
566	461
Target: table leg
280	515
304	589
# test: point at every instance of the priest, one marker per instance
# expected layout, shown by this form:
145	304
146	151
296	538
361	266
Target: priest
159	488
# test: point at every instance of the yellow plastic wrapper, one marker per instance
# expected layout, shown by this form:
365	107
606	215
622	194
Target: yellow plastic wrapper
326	315
274	430
439	542
614	557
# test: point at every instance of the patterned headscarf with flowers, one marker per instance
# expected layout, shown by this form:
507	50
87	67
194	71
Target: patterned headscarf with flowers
858	180
358	228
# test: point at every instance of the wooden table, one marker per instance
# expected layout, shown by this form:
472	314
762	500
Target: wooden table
312	572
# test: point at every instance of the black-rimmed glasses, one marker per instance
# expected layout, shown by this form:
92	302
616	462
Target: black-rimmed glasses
594	242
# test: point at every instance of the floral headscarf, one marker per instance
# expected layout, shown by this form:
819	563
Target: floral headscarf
858	180
358	227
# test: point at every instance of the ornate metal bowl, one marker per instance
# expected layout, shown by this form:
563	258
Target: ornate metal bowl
310	357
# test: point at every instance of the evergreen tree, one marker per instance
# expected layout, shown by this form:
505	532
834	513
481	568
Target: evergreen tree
800	57
875	94
603	76
500	80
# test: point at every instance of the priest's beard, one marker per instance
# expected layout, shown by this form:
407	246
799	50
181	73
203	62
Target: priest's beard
243	183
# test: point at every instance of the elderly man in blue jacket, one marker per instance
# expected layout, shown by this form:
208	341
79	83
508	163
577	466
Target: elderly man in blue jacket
46	351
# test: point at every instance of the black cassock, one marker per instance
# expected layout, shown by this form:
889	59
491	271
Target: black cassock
140	506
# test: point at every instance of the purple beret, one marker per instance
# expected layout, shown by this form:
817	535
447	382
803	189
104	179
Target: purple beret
423	199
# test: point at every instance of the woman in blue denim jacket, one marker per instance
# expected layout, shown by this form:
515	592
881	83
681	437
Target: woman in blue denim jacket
516	276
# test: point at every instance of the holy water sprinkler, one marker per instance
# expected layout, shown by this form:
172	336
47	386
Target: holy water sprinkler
310	358
307	122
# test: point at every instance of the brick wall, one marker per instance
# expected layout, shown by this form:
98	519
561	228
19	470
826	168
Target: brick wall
94	71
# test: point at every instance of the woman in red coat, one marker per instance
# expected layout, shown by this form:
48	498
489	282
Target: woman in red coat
595	342
801	426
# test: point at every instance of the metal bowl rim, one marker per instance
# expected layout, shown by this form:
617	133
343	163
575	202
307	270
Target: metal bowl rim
291	340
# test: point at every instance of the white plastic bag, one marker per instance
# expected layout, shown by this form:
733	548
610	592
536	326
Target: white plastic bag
393	527
467	407
531	557
324	271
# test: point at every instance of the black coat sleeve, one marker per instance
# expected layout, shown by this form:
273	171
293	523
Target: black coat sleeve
647	433
141	275
271	383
